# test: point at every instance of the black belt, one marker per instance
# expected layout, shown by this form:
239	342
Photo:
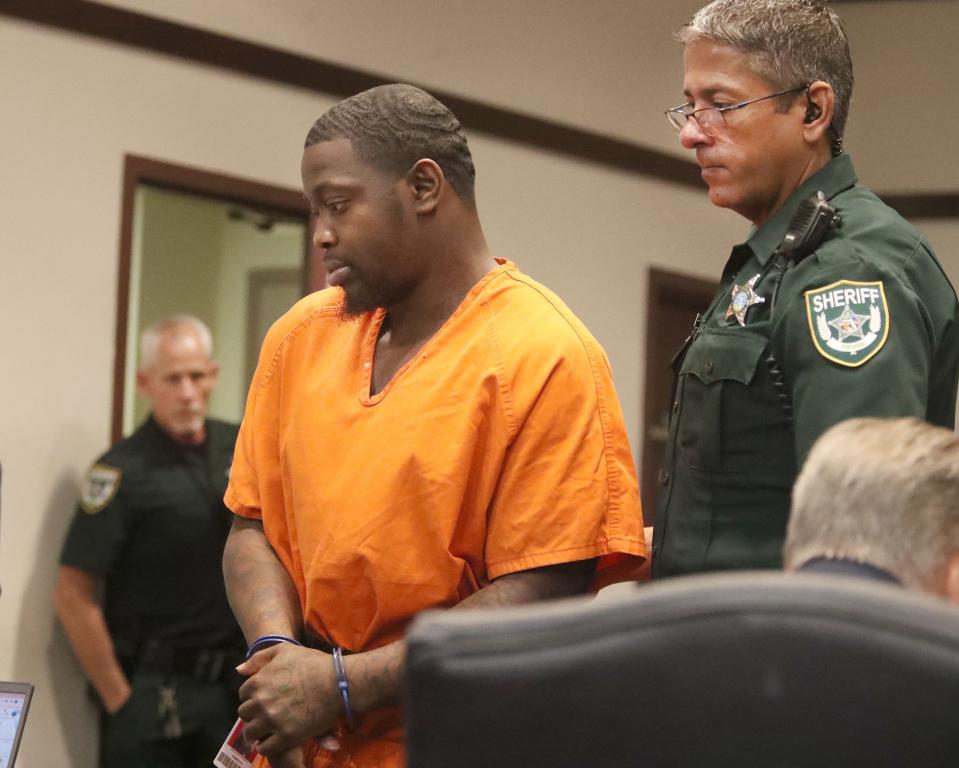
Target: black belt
202	664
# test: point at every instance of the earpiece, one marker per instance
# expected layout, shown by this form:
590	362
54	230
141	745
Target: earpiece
813	112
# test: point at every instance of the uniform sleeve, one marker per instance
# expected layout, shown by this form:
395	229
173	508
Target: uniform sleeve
818	353
567	489
98	531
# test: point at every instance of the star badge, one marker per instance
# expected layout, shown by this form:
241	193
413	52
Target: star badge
849	324
743	298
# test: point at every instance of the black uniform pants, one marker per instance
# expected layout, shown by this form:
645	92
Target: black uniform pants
134	736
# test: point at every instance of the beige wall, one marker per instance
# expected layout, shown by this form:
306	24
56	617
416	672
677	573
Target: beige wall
74	107
79	107
903	107
243	250
612	66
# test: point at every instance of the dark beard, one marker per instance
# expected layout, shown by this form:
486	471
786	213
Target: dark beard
363	297
365	294
355	306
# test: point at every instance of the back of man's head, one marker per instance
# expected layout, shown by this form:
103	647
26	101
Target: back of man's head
884	492
393	126
789	43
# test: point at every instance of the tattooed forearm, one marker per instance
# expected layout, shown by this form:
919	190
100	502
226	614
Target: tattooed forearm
260	590
376	676
532	586
301	681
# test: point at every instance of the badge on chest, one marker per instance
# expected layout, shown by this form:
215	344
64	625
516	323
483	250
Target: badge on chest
743	297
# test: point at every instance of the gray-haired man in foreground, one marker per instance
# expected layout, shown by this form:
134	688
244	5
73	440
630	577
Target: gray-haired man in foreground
879	498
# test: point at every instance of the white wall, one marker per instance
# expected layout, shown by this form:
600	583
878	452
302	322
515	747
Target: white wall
567	60
81	108
612	66
903	109
74	107
244	249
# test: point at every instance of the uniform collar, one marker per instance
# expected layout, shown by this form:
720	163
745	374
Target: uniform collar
844	567
834	177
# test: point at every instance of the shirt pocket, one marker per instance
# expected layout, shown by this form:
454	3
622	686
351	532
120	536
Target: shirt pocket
714	364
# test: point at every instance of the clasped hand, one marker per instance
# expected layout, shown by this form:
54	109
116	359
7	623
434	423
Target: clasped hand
290	696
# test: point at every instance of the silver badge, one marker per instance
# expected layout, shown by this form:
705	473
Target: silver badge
743	298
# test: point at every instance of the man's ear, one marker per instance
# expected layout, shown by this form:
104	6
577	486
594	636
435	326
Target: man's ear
427	182
820	103
950	586
143	382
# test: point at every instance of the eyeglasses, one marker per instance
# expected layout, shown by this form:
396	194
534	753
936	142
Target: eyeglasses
712	119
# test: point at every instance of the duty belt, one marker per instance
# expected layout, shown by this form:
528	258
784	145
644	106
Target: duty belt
202	664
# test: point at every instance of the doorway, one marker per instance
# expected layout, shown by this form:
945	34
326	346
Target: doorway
234	253
674	301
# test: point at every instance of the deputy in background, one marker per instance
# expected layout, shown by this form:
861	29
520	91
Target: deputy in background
140	592
879	499
833	307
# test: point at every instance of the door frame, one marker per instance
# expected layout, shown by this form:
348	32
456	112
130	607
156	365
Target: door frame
138	170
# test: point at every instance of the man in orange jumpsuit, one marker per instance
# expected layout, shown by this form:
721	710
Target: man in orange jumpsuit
434	430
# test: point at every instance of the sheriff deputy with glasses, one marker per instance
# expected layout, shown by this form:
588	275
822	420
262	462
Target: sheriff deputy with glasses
833	307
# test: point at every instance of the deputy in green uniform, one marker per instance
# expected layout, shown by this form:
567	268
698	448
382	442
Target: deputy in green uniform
840	311
161	645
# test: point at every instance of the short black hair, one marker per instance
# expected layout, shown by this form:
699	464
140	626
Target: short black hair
393	126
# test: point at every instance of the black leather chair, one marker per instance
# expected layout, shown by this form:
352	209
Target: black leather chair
748	669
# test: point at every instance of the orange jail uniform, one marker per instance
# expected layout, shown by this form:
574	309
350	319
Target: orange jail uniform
499	447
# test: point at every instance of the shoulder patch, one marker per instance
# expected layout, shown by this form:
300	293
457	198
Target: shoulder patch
99	487
848	321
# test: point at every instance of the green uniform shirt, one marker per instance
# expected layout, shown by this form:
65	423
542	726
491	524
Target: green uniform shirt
152	522
867	325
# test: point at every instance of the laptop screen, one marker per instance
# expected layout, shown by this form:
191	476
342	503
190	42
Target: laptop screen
14	702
